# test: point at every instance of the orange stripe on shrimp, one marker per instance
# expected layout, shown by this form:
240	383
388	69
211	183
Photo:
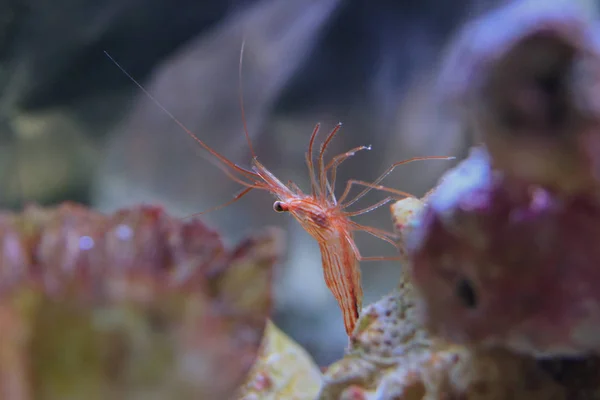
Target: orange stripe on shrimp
319	212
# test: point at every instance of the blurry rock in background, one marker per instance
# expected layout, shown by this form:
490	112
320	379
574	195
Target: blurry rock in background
70	120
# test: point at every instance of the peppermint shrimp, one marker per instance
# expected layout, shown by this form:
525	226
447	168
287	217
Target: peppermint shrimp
323	216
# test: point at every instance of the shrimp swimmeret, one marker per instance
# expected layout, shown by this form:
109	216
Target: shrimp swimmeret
323	216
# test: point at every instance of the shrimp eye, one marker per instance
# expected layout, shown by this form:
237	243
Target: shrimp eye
466	293
279	206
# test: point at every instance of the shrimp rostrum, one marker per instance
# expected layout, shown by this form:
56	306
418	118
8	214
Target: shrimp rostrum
325	217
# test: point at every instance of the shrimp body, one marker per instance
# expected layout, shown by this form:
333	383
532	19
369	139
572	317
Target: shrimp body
329	227
325	222
325	218
320	213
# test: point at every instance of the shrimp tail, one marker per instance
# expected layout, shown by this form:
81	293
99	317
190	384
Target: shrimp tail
342	276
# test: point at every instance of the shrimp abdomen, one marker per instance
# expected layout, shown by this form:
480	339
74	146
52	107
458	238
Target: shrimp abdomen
342	275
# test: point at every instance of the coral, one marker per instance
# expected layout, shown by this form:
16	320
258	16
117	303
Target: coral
135	304
283	370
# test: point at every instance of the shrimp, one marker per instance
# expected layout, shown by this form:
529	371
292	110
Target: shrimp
323	216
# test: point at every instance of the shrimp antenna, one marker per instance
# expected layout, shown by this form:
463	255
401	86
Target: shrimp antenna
241	95
247	173
253	176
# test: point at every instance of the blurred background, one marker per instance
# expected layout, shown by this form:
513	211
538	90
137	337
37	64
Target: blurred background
74	127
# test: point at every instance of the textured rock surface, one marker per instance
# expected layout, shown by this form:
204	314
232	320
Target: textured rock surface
130	305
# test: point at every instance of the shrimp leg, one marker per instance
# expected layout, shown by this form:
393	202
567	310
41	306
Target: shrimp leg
321	161
360	257
370	208
378	233
375	184
370	186
309	160
294	187
335	163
